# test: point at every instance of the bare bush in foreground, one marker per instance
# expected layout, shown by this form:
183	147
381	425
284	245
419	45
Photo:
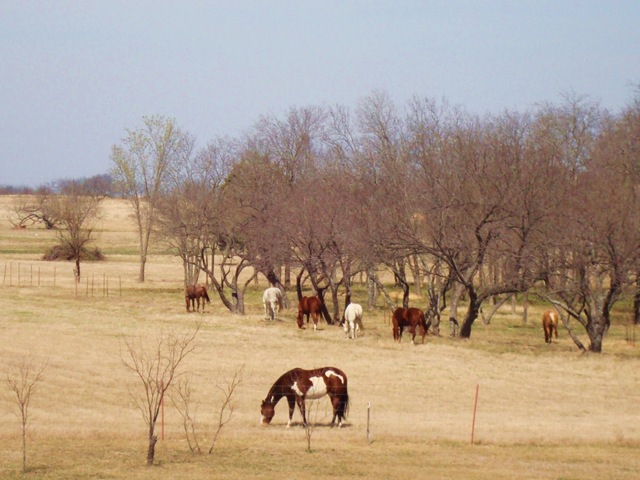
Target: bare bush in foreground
156	367
22	379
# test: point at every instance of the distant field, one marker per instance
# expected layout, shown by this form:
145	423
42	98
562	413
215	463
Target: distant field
544	411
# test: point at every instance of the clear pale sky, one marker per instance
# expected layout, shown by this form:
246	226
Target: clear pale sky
75	74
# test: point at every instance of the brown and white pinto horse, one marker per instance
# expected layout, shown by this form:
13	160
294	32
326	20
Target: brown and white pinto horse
297	385
550	325
193	294
309	306
409	317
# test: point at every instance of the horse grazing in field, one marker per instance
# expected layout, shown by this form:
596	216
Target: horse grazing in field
309	306
550	325
272	302
193	294
409	317
297	385
352	320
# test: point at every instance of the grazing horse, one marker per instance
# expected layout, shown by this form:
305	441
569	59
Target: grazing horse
352	320
272	302
297	385
550	325
409	317
309	306
193	294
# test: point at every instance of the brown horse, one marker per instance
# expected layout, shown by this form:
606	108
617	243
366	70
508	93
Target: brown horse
297	385
193	294
309	306
409	317
550	325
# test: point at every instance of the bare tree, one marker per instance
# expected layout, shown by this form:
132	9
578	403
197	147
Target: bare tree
181	396
190	210
141	167
75	210
226	407
33	209
182	399
156	366
602	232
22	380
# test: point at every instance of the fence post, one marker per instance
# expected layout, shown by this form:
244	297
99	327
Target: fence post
475	405
369	422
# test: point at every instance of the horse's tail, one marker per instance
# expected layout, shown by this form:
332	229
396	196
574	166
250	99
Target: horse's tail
205	295
426	323
344	404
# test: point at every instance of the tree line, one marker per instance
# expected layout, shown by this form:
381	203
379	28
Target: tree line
543	202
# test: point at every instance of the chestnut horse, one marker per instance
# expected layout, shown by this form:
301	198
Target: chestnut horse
193	294
309	306
550	325
297	385
409	317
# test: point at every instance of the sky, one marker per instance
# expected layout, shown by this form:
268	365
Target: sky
75	75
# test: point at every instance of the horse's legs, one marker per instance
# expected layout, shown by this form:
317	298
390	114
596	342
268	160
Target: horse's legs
292	406
186	299
315	320
546	334
301	406
335	402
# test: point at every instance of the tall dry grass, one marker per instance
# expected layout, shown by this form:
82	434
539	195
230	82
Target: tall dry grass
544	411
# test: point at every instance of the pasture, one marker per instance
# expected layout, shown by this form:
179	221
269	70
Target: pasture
544	411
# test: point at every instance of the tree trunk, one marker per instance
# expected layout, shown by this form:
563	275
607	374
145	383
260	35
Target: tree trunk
77	271
417	276
470	317
457	293
143	261
287	276
24	444
372	291
596	330
323	309
574	337
151	453
636	302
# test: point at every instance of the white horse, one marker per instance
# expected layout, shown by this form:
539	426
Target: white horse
353	320
272	302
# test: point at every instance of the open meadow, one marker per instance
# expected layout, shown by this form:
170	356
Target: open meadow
543	411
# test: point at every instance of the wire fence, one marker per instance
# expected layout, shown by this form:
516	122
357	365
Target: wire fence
20	274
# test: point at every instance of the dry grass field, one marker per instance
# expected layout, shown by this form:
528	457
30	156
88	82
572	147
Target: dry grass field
543	411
